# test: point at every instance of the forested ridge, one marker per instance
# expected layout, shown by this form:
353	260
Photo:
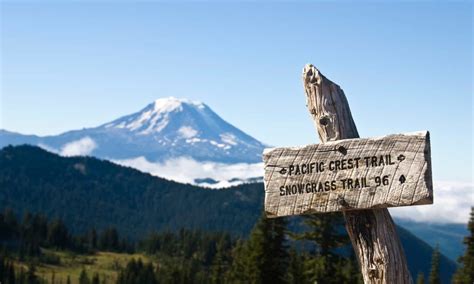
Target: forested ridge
87	194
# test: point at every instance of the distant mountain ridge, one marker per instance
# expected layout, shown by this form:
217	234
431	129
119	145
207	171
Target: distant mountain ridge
167	135
449	236
87	192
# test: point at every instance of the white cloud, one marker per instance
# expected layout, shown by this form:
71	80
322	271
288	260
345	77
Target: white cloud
81	147
452	204
187	132
186	170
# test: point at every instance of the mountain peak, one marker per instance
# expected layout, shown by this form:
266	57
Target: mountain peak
156	116
172	103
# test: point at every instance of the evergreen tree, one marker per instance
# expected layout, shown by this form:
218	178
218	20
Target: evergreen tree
83	278
53	278
350	271
96	279
8	225
420	279
31	275
7	271
465	272
3	269
138	273
29	243
264	257
109	240
219	265
58	235
11	274
239	266
295	268
434	277
93	239
324	264
21	278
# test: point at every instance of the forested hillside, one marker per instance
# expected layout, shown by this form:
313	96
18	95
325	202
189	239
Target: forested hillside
88	192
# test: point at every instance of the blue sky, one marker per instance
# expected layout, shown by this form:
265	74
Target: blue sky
404	66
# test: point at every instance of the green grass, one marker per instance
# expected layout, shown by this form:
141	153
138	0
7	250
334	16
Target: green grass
105	264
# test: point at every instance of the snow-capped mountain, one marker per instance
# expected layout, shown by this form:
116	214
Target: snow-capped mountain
174	138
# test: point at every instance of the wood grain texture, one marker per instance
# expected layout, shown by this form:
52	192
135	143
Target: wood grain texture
372	232
349	174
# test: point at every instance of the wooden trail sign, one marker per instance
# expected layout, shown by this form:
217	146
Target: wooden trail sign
372	231
394	170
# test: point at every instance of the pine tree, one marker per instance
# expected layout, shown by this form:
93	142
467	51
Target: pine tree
83	278
11	274
3	269
239	266
350	272
295	268
420	279
109	239
31	275
219	265
264	257
327	233
434	272
53	278
21	277
93	239
465	272
96	279
58	235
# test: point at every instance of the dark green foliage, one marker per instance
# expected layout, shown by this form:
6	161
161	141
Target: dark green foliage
137	272
190	256
88	192
95	279
109	240
221	261
465	272
25	239
7	271
295	274
325	264
264	257
92	239
31	277
325	230
58	235
434	277
84	278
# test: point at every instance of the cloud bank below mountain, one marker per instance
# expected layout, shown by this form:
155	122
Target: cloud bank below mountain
188	170
81	147
452	204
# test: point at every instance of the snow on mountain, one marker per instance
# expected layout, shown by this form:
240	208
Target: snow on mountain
173	138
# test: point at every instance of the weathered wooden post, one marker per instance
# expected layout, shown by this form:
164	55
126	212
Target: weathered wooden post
360	177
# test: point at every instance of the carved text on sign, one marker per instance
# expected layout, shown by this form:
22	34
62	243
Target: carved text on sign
348	174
